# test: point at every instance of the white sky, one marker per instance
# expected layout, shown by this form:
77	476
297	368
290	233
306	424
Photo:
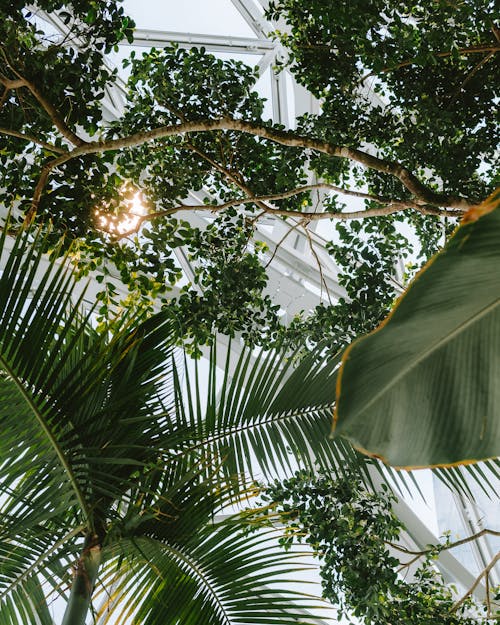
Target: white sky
213	17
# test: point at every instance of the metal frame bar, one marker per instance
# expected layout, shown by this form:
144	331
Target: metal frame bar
214	43
253	17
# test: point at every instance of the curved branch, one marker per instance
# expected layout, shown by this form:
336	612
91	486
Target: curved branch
56	119
283	137
390	208
409	563
318	262
282	240
227	173
11	84
446	546
42	181
49	108
423	194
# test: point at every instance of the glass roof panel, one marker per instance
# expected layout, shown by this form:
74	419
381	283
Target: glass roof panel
217	17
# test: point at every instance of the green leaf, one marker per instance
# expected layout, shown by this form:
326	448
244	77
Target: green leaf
422	390
221	575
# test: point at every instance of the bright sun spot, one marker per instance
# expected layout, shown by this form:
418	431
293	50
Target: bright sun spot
124	218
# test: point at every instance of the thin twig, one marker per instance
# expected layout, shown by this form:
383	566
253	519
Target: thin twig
462	51
484	572
228	174
445	546
410	562
4	98
487	590
471	74
256	218
320	268
283	238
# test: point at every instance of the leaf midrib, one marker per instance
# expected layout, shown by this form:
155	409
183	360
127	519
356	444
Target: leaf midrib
266	419
435	346
196	568
34	567
46	430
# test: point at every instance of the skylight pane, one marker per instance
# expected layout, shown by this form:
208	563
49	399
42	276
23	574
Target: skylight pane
216	17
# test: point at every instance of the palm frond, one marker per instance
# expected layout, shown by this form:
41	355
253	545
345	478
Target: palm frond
80	411
266	416
260	419
26	605
33	557
220	577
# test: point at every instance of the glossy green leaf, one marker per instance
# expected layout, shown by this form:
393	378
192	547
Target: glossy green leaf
422	390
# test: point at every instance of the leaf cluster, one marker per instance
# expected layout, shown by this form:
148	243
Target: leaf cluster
349	529
415	80
68	68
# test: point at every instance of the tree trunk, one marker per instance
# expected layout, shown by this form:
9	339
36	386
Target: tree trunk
85	574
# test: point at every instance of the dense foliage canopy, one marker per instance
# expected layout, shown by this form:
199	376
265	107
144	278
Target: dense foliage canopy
406	126
105	468
364	567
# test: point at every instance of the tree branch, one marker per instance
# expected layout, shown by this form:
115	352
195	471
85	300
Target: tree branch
446	546
30	139
4	98
392	207
10	84
320	267
409	563
40	185
471	74
283	238
427	200
288	138
463	51
487	593
49	108
228	174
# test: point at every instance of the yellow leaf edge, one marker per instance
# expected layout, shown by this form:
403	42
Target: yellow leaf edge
472	215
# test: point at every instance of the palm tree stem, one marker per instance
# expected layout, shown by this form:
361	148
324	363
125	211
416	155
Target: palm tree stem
84	578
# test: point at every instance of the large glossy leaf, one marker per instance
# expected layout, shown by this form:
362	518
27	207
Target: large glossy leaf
423	389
